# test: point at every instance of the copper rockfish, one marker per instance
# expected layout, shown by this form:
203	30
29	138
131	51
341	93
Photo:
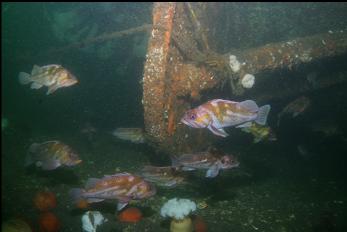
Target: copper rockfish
212	160
122	186
163	176
218	113
51	155
53	76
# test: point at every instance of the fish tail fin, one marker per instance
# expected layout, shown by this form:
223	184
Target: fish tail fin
30	159
76	195
174	161
262	114
24	78
34	147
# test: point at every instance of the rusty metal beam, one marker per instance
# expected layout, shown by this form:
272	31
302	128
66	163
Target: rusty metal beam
154	79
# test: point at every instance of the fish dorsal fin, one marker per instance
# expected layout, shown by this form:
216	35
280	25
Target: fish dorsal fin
36	70
91	182
118	174
249	105
219	132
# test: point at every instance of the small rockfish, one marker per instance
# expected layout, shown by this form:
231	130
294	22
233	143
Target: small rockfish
260	132
122	186
53	76
218	113
134	135
51	155
162	176
295	108
211	160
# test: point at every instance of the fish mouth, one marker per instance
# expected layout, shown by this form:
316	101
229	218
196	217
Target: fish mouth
77	162
190	123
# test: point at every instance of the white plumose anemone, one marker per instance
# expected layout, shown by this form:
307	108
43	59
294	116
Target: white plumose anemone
234	63
177	208
248	81
91	220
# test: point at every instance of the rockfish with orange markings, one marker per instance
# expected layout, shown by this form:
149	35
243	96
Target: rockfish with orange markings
212	160
217	114
122	186
53	76
51	155
163	176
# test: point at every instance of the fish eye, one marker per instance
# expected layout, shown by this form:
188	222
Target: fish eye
192	116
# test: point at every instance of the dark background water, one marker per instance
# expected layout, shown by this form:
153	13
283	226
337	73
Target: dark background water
109	95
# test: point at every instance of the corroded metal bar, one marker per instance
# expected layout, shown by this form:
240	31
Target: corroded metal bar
280	55
294	52
154	79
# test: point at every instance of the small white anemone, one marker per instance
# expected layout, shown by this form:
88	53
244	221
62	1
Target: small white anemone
91	220
234	63
248	81
177	208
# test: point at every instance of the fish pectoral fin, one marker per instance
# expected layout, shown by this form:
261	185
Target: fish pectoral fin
121	205
50	164
91	182
219	132
52	89
213	171
93	200
35	85
187	169
295	114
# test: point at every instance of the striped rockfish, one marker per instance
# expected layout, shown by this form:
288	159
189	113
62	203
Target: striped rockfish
217	114
122	186
167	176
53	76
51	155
213	160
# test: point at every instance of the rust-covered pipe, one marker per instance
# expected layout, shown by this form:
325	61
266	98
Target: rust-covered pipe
293	52
155	70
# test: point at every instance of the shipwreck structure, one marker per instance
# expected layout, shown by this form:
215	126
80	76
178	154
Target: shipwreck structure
197	50
181	65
